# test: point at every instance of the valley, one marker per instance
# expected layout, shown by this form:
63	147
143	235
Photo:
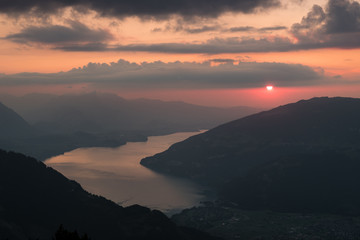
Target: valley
268	175
116	173
179	120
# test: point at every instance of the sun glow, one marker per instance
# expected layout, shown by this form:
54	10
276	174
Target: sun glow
269	88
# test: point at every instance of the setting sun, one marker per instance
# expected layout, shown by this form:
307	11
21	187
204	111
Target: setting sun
269	88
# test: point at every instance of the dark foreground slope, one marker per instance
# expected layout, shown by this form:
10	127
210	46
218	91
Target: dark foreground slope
35	200
298	157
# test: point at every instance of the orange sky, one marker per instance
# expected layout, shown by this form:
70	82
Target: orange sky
23	51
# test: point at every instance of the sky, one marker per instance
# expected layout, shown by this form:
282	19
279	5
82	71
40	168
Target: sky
219	53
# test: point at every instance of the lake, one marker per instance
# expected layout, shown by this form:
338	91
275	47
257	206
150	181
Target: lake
116	174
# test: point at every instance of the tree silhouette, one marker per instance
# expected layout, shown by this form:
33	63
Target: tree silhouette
63	234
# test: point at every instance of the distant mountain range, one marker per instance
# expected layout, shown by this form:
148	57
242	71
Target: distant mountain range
50	125
17	135
11	124
36	199
96	112
301	157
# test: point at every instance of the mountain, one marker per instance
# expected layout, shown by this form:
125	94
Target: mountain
64	123
35	200
12	124
297	157
17	135
325	182
97	112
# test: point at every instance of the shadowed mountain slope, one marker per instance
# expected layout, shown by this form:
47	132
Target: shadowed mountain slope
35	200
317	140
324	182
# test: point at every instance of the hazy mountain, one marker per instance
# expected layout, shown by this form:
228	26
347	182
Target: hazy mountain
11	124
64	123
17	135
293	158
35	200
43	146
96	113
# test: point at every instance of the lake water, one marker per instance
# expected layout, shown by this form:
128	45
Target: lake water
116	174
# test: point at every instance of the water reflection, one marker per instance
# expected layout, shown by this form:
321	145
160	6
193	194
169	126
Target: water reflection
116	174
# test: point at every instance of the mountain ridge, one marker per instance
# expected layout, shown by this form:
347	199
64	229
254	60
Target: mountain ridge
235	155
12	124
99	112
64	123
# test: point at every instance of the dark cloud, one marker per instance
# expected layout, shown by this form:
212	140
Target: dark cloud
320	28
84	47
183	26
222	60
343	16
187	75
141	8
56	34
202	29
212	46
274	28
180	26
253	29
242	29
336	26
308	29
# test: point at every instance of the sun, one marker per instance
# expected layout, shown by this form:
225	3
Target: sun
269	87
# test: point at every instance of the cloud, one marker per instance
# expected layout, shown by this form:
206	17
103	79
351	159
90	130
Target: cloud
336	26
174	75
211	46
141	8
212	28
343	17
308	29
202	29
222	60
157	30
253	29
273	28
56	34
184	26
241	29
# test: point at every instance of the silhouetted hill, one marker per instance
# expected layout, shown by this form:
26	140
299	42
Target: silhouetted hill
35	200
260	155
96	112
11	124
324	182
